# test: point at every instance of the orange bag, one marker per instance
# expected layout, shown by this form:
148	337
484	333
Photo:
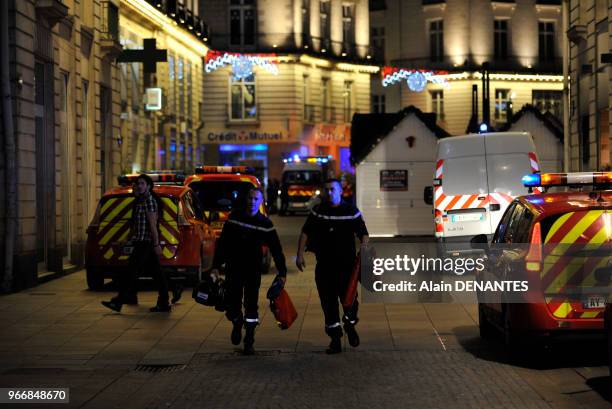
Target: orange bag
351	291
283	309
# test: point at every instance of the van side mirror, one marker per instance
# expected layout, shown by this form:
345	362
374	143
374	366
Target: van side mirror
428	195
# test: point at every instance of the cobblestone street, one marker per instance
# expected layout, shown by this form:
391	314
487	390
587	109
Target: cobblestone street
421	355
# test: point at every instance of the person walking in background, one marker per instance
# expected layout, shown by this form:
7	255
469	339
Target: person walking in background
146	250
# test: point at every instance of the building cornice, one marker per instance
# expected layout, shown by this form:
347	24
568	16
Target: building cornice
141	10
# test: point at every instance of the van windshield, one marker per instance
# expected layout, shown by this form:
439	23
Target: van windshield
221	195
465	176
302	177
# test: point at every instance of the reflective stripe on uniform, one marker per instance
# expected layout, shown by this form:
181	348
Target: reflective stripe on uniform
251	319
334	325
250	226
322	216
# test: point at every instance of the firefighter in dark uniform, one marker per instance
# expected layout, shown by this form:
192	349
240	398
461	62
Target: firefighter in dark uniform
330	232
240	248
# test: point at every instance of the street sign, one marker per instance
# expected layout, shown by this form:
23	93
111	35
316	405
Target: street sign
153	99
149	56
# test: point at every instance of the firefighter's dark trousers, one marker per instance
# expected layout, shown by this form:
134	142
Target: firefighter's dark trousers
242	286
143	261
332	277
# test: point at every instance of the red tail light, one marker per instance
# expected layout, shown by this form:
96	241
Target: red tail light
533	260
437	216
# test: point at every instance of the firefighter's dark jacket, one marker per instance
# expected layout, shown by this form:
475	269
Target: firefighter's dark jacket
331	230
240	246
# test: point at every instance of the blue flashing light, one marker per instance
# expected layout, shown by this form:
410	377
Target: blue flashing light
532	180
483	127
536	200
172	147
259	147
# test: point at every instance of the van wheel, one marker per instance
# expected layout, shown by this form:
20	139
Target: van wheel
95	279
484	325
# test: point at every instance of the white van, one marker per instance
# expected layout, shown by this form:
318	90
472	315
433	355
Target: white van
476	178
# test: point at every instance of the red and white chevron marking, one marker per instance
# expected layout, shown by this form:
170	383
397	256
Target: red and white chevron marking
535	168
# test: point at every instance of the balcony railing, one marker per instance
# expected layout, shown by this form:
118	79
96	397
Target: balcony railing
294	43
509	64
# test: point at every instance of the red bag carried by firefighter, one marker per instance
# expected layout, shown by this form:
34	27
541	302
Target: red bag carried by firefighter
351	290
281	305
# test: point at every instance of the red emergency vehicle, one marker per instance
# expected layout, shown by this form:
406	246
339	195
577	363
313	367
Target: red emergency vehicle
569	236
186	238
220	190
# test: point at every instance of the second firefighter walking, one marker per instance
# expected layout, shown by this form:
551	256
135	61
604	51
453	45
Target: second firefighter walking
240	248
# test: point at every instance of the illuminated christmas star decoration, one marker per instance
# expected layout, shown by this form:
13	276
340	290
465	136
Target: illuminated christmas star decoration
242	64
416	79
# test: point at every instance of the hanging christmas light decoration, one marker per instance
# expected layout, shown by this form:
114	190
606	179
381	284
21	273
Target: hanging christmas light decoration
416	82
416	79
242	64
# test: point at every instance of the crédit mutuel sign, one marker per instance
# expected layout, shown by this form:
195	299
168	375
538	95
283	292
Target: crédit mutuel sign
246	136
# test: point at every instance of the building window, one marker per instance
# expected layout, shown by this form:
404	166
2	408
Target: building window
324	15
546	41
437	104
181	84
500	39
243	104
548	101
189	93
242	22
347	101
501	104
436	40
378	104
348	26
306	20
377	39
326	100
309	114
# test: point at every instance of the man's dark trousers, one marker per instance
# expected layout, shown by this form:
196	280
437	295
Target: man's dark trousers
143	259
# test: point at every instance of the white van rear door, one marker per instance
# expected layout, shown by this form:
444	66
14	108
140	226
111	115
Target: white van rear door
465	189
505	172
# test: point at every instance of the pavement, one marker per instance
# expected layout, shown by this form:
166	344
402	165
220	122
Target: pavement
417	355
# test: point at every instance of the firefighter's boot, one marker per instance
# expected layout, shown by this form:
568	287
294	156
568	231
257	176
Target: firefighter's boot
335	346
351	332
236	336
352	335
249	338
